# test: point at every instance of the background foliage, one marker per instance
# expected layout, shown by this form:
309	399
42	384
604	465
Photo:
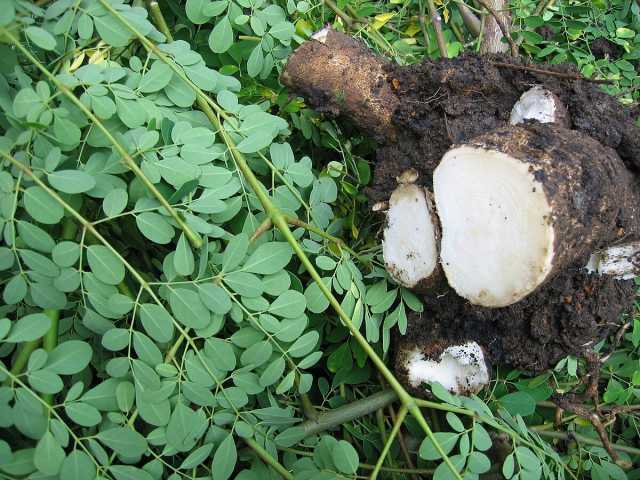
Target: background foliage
147	334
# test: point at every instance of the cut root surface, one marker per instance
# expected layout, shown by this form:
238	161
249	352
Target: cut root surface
621	261
497	241
539	104
461	369
410	236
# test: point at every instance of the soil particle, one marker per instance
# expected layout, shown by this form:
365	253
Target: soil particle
451	101
566	317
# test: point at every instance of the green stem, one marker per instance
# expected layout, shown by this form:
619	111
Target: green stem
193	237
207	106
582	439
268	459
50	340
21	359
394	432
351	411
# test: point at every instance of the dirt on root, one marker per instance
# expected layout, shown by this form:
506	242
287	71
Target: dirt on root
450	101
566	317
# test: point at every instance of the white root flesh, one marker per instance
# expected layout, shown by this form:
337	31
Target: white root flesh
410	242
461	369
497	241
621	261
538	104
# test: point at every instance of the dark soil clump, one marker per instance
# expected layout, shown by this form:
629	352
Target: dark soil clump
450	101
566	317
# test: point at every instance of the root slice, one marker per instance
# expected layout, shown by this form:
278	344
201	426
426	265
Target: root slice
519	205
542	105
621	261
461	369
411	236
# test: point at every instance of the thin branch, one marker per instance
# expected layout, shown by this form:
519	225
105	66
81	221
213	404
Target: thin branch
385	450
348	21
542	6
582	439
503	27
471	21
268	459
436	21
349	412
568	76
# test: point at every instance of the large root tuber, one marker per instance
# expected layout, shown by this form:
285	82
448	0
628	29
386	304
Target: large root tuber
521	204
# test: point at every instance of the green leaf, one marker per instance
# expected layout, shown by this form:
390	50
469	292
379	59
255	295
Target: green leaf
66	253
221	352
124	441
71	181
127	472
115	202
158	77
29	328
155	227
508	467
49	455
183	260
518	403
290	304
15	290
447	441
70	357
157	322
194	11
255	142
41	206
105	265
25	102
481	439
112	31
269	258
78	466
41	37
303	345
221	37
235	252
255	61
224	460
180	92
7	14
66	131
345	457
83	414
214	298
478	463
188	308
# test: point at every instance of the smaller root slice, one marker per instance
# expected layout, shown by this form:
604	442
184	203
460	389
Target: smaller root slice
542	105
411	235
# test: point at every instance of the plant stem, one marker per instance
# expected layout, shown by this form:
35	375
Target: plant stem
21	358
50	340
394	431
268	459
437	26
192	236
345	18
351	411
582	439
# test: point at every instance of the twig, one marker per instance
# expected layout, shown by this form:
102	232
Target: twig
437	26
387	446
268	459
346	413
423	27
403	444
583	439
542	6
345	18
504	28
469	18
568	76
616	340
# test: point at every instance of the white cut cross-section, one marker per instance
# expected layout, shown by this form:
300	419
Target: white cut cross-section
409	246
621	261
535	104
497	240
461	369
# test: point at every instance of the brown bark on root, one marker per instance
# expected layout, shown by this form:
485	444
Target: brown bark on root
418	112
566	317
337	74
